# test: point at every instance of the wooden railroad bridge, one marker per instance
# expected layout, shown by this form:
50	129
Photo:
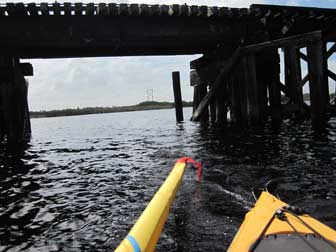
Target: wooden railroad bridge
239	70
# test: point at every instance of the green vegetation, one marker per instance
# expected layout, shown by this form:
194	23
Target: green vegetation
147	105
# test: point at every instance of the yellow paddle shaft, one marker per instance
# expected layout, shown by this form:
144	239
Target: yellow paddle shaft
146	231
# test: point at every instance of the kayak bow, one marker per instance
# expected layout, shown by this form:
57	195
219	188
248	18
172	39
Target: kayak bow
273	225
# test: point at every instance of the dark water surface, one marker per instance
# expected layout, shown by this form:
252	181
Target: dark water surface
83	181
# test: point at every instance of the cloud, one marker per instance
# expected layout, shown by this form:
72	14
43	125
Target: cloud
63	83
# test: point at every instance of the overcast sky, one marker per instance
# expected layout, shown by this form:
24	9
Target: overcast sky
71	83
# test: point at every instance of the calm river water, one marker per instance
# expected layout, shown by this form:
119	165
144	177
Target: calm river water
83	181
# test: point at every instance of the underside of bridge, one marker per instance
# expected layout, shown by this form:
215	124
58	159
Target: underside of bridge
238	72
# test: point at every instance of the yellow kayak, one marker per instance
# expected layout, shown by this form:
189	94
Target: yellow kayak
273	225
270	226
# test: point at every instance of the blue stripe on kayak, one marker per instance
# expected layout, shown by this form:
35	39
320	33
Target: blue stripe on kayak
134	243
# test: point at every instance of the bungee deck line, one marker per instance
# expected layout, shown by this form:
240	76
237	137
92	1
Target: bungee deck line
146	231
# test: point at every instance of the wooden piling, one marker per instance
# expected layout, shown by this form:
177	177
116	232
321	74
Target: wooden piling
177	96
272	71
203	90
253	90
262	85
213	109
196	100
221	104
238	86
293	78
325	80
316	80
14	104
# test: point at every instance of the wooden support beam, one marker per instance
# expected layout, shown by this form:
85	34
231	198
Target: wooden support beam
221	78
304	80
303	56
298	41
177	96
316	80
332	75
331	50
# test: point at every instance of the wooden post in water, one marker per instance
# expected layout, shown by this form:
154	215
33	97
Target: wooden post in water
213	108
273	79
221	104
253	90
293	78
13	97
262	84
177	96
316	80
325	80
238	86
203	90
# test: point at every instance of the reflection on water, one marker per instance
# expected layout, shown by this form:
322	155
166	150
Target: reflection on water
83	181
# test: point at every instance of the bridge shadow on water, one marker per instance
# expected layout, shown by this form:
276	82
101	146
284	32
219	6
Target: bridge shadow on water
60	193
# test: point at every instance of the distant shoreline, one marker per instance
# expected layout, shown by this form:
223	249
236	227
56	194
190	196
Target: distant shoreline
151	105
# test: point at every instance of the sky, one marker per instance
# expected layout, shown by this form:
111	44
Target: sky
119	81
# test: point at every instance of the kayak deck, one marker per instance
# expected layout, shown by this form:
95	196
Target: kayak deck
272	226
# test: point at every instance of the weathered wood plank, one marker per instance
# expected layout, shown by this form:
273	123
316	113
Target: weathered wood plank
56	8
32	9
44	9
144	9
155	10
79	9
102	9
90	9
164	10
175	10
20	9
10	8
67	9
134	10
112	9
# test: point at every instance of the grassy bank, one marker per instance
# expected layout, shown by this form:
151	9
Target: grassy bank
151	105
